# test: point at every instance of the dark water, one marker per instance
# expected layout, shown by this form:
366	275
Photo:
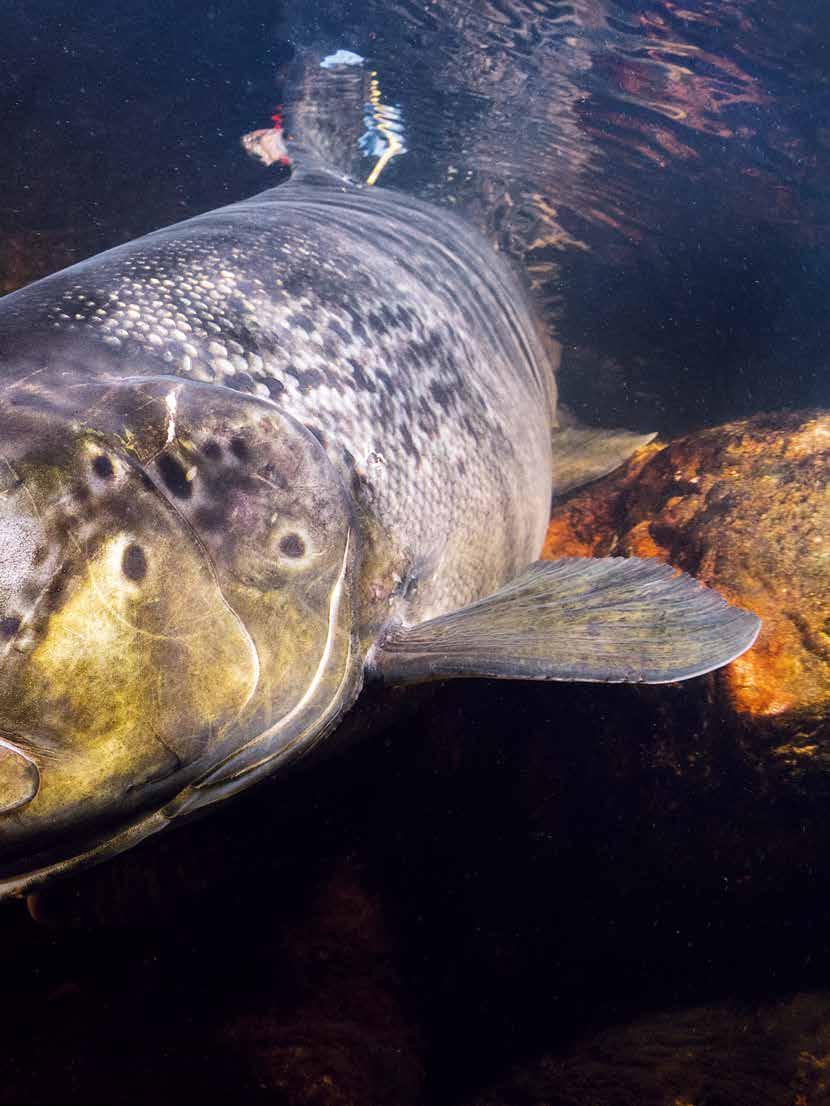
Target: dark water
684	152
660	171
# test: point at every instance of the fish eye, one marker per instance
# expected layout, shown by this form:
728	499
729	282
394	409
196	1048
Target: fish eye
292	545
134	563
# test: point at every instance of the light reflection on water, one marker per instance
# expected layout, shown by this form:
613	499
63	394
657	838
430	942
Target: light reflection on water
657	170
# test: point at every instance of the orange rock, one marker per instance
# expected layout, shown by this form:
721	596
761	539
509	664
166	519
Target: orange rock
745	508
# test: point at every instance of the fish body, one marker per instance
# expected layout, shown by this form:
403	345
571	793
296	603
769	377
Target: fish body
386	326
250	460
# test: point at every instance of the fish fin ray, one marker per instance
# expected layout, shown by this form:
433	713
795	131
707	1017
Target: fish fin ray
609	620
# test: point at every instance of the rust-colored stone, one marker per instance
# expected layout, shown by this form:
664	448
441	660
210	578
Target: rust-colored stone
745	508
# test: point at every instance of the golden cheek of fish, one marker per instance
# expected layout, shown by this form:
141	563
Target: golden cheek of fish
177	614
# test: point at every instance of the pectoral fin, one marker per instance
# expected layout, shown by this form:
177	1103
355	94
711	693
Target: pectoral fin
583	454
611	620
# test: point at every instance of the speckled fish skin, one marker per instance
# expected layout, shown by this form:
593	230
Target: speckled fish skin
232	453
385	325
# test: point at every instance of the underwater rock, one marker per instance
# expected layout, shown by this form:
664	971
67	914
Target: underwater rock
776	1053
337	1031
745	508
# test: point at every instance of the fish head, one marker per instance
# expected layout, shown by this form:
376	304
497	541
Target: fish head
176	566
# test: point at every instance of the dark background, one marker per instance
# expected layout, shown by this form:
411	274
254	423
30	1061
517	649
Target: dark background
535	869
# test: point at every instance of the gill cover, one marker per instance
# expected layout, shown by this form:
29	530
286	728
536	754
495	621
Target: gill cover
175	608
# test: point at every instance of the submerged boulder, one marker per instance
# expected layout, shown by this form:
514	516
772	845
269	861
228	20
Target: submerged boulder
731	1053
745	508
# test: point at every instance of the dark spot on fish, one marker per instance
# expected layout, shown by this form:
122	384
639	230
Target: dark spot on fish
404	316
212	450
306	378
80	493
174	476
241	382
134	563
360	377
408	443
470	428
427	417
293	285
440	394
358	329
239	448
39	555
9	626
302	322
330	350
292	545
275	387
415	351
377	324
434	343
337	330
312	378
102	466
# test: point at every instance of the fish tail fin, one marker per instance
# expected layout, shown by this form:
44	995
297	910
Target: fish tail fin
333	120
325	95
